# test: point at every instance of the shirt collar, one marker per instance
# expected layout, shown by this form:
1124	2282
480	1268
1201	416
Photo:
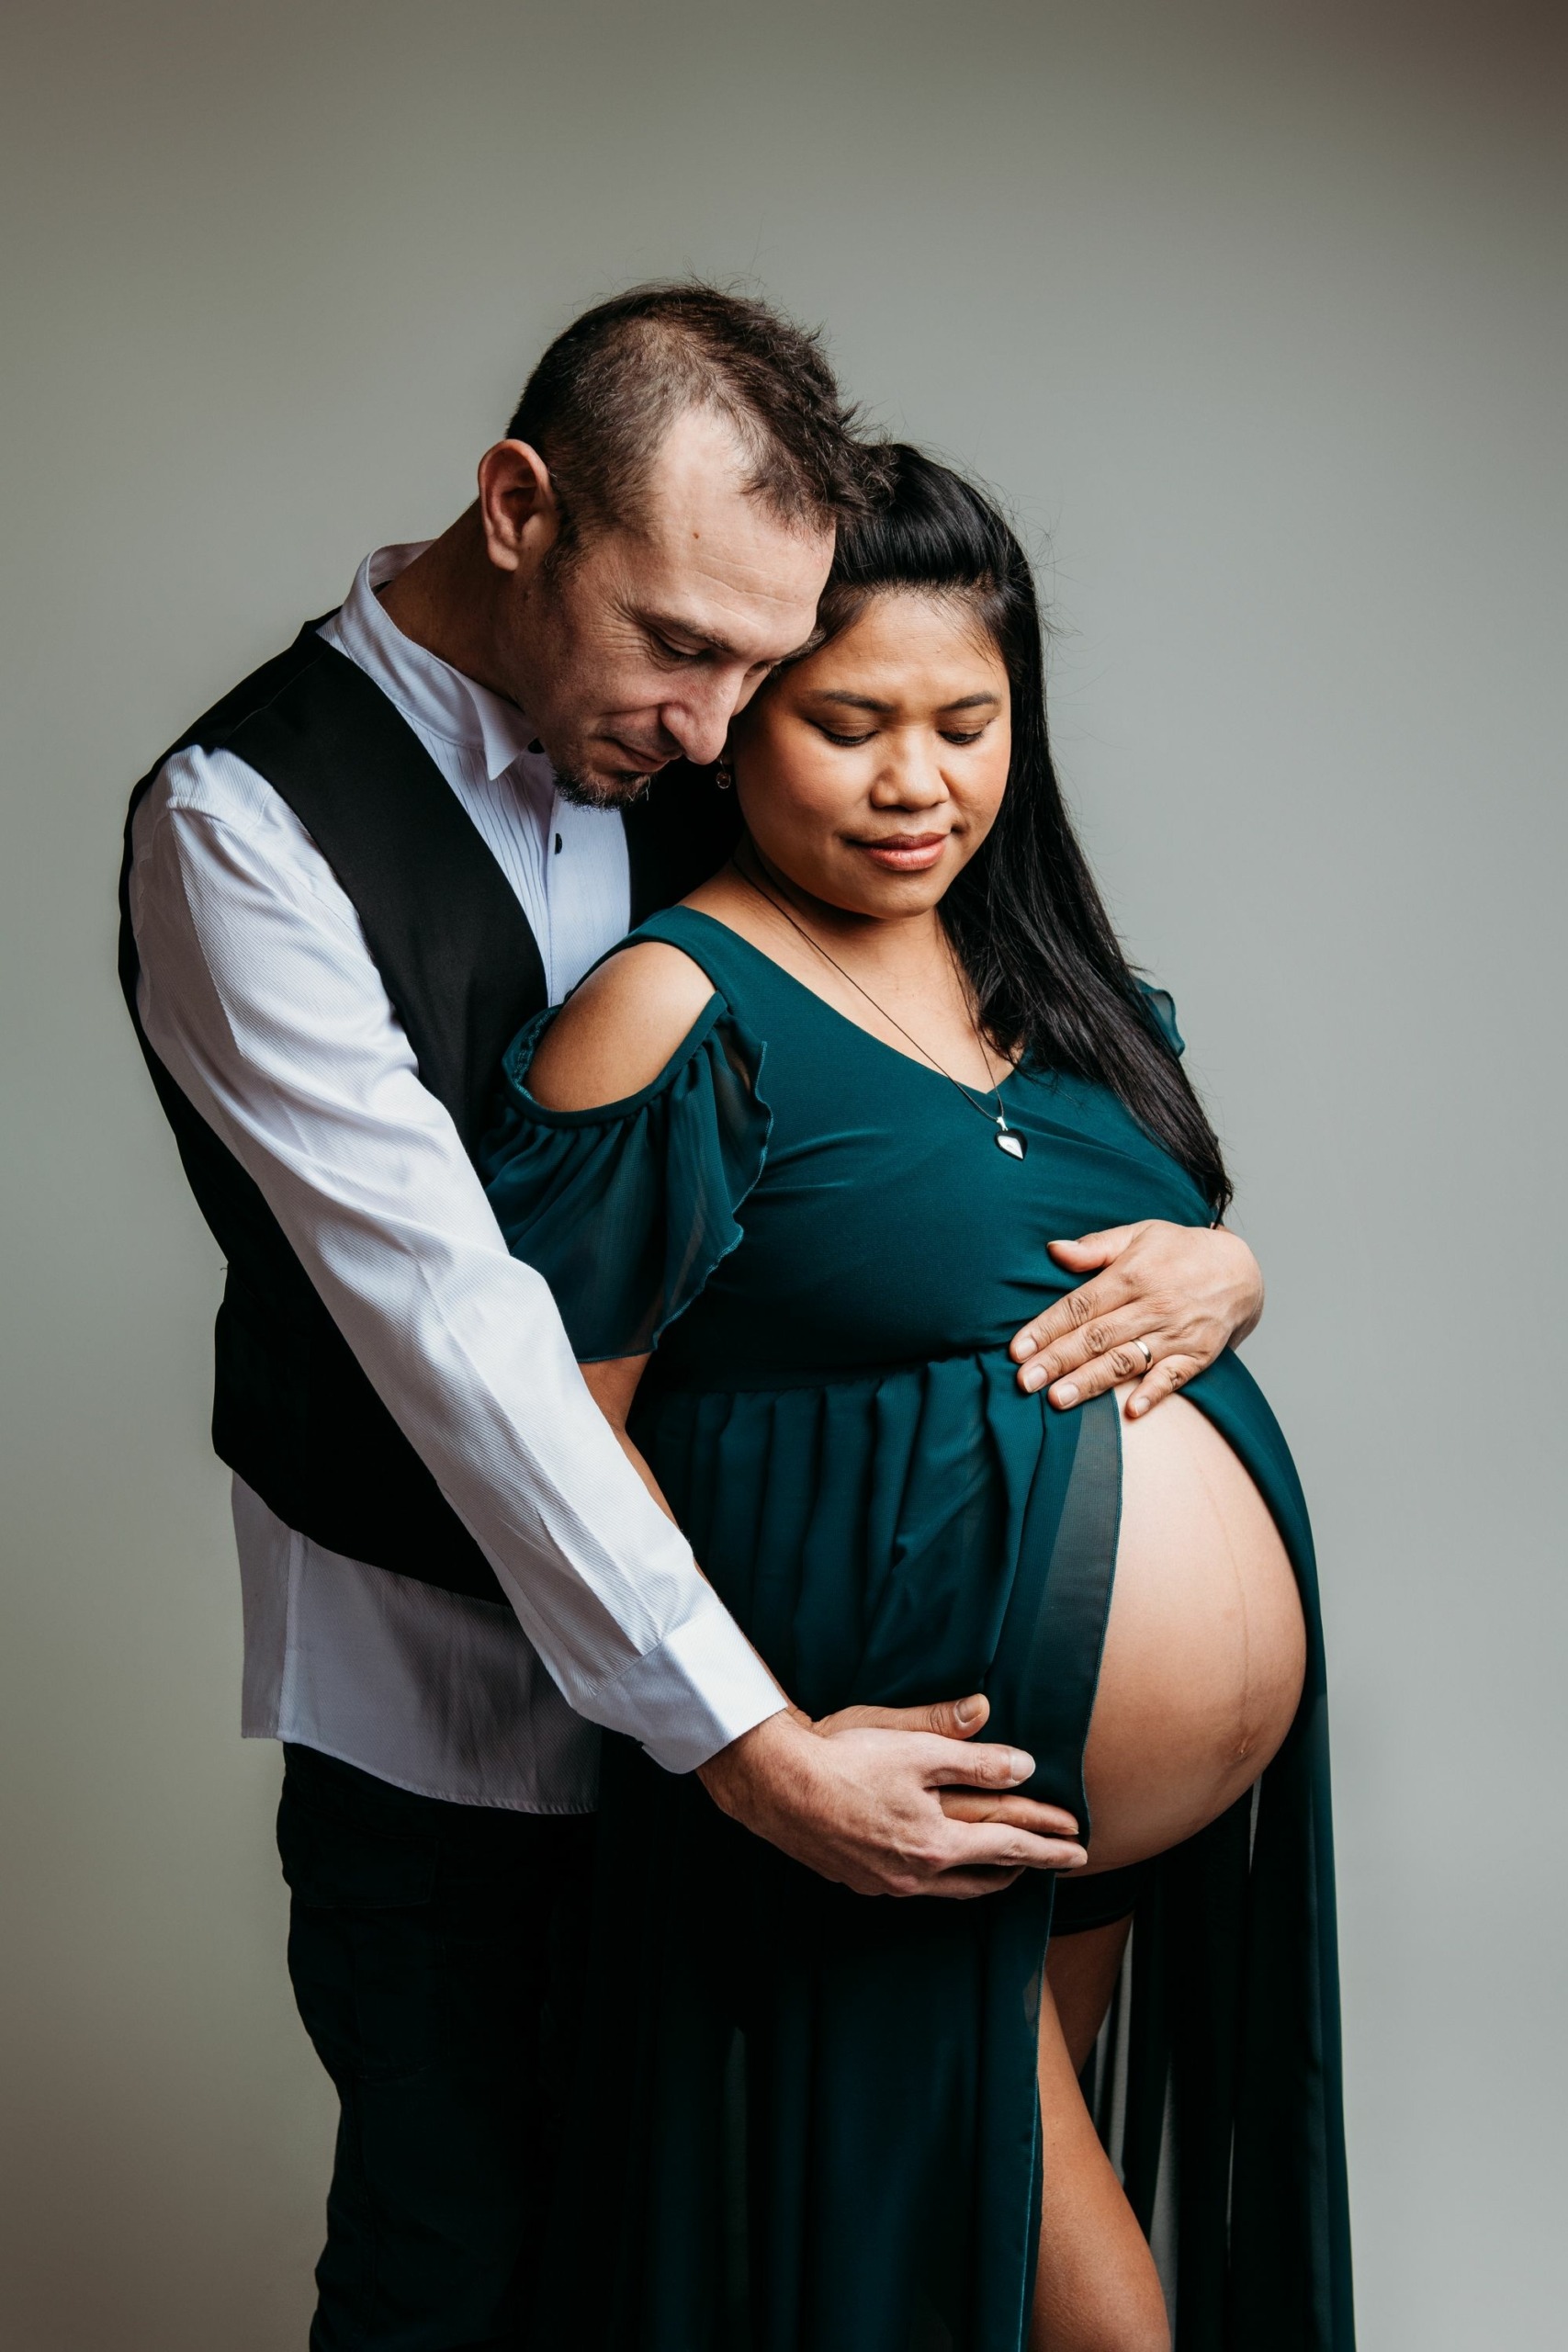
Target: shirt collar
426	690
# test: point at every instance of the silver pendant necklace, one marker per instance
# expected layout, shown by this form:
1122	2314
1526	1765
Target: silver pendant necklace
1005	1137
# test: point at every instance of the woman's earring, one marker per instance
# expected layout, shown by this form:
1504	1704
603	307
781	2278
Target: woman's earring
724	775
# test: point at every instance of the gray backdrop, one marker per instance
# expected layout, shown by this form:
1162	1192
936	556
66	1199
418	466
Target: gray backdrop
1252	312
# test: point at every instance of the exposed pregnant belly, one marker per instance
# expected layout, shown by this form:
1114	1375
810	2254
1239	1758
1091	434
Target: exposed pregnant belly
1205	1647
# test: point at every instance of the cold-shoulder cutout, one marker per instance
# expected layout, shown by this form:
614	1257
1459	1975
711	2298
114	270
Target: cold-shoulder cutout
618	1029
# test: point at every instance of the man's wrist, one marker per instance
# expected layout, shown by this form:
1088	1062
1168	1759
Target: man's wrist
770	1776
756	1753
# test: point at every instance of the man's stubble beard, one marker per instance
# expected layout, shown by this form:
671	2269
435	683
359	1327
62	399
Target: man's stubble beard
600	792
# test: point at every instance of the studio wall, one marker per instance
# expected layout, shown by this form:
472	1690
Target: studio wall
1253	314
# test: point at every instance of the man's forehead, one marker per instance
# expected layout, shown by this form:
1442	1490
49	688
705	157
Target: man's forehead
725	595
711	559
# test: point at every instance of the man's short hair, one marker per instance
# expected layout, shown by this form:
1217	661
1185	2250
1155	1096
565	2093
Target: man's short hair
600	402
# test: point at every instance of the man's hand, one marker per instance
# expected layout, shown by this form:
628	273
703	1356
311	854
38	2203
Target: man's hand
1187	1291
893	1800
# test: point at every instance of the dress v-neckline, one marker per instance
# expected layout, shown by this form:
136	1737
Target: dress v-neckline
926	1070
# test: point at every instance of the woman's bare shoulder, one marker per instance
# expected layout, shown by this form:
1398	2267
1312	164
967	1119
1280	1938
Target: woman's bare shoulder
614	1033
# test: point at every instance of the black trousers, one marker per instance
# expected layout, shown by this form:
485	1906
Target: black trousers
434	1949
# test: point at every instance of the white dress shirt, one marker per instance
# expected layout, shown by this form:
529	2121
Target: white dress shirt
259	996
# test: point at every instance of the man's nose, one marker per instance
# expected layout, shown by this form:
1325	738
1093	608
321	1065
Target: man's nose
700	720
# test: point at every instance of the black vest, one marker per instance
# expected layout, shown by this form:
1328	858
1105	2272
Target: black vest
293	1413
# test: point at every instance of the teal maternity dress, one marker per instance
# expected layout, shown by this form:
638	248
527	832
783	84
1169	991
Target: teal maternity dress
806	2120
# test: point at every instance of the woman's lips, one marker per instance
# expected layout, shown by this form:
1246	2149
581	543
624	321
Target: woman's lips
905	852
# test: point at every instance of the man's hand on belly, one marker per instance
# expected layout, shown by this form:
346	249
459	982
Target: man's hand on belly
893	1800
1187	1292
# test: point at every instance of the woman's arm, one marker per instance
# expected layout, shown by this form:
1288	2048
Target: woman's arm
613	1385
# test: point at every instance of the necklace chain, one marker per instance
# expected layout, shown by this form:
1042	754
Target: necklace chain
998	1118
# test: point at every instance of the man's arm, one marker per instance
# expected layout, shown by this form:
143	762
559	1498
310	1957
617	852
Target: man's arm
260	998
1187	1291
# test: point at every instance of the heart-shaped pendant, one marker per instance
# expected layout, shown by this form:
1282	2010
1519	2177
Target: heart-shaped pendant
1012	1145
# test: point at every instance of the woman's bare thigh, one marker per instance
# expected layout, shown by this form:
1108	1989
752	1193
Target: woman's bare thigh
1096	2288
1081	1971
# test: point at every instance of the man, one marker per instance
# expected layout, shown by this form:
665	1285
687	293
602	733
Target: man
344	892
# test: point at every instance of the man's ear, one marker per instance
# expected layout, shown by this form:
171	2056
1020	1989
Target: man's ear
519	512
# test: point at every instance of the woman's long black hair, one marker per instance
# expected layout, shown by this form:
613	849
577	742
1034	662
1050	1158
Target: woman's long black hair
1024	916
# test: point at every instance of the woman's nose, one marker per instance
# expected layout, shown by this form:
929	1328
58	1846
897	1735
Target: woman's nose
910	777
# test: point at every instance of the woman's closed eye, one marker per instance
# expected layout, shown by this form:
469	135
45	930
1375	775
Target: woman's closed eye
959	735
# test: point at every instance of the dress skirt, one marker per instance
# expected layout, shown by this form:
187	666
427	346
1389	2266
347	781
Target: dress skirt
807	2119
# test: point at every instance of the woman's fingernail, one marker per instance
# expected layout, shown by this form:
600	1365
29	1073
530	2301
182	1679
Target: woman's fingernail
1138	1407
1065	1394
1034	1377
971	1710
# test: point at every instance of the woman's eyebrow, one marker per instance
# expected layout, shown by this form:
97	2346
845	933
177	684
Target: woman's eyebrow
869	702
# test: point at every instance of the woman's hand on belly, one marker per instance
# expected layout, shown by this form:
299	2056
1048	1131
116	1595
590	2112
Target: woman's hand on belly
1184	1292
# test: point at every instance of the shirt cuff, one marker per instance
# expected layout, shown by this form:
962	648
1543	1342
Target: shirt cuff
702	1687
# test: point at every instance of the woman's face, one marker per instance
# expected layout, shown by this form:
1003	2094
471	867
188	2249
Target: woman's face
869	774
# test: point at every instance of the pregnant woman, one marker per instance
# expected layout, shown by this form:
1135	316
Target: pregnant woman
790	1160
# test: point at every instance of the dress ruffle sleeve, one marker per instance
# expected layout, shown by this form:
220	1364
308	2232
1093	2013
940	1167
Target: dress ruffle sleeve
1160	1006
627	1209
